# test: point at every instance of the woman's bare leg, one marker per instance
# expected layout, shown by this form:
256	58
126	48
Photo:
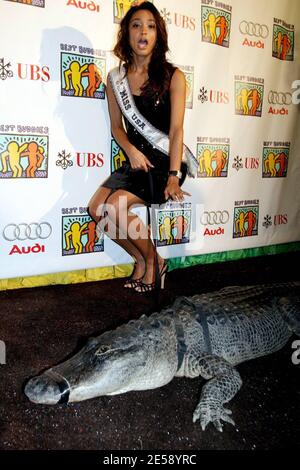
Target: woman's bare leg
118	207
96	209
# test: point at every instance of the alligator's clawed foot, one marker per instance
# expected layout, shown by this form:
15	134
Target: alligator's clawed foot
213	412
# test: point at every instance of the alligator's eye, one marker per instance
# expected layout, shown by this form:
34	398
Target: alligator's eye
102	349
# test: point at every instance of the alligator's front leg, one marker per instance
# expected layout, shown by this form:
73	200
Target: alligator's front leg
224	383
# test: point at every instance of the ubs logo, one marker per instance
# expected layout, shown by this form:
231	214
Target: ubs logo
178	19
82	159
33	72
25	71
5	71
213	96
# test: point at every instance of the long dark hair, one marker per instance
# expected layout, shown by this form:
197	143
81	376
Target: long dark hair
159	70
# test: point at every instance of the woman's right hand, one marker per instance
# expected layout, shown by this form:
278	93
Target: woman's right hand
139	161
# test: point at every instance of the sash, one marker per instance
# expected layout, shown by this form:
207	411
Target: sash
157	138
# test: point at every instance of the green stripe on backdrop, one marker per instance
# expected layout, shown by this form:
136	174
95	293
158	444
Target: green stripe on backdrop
185	262
111	272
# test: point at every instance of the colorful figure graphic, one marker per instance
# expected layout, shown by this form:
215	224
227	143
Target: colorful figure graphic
189	79
277	43
206	163
283	43
165	230
285	46
73	236
123	7
173	226
269	164
13	154
35	158
220	158
73	75
242	100
119	159
281	158
94	79
223	25
26	2
240	224
210	25
92	236
180	226
251	221
255	97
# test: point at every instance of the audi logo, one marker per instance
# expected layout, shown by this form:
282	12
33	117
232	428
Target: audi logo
24	231
215	218
278	97
254	29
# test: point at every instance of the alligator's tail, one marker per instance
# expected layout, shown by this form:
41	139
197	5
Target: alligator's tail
290	310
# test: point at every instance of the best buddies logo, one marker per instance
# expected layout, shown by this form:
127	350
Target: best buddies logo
79	234
249	94
24	154
82	72
245	218
283	40
213	156
275	159
215	22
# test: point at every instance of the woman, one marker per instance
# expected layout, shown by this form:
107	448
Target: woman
148	176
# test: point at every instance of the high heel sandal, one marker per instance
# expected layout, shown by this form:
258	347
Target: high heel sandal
159	282
133	283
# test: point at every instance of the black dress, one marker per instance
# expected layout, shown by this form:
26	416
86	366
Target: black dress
147	186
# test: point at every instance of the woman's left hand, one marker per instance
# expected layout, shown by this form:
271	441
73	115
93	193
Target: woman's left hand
173	190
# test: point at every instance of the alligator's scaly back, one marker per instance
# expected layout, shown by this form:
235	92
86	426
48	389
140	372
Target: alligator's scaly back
251	321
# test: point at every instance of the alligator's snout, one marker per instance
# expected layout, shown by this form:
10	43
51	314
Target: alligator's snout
47	389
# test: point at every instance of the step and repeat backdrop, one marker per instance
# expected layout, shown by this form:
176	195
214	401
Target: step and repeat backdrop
242	68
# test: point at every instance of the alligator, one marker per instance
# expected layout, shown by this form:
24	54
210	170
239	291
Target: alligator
204	335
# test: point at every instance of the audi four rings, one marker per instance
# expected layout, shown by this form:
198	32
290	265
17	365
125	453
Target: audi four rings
215	218
278	97
254	29
23	231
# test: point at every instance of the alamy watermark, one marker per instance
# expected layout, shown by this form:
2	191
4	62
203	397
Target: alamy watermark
2	352
296	93
296	354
